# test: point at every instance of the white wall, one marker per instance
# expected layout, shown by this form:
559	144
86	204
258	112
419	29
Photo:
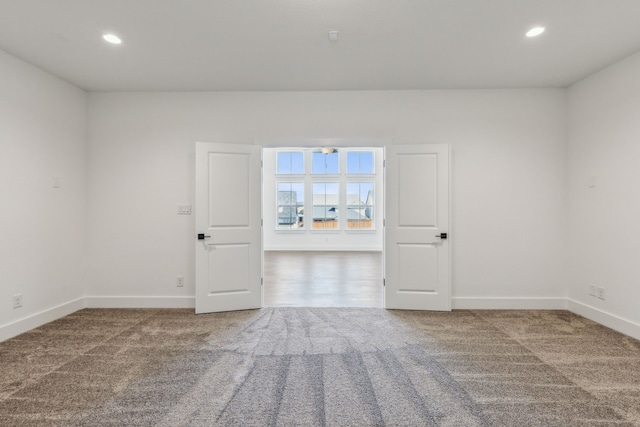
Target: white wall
510	170
509	159
327	240
604	143
42	229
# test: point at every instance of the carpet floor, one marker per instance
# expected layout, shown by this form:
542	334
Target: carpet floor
320	367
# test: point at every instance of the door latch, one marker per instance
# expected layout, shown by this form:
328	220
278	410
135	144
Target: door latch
442	236
202	236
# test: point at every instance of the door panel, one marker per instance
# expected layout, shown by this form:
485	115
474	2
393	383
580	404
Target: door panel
228	213
418	174
417	268
226	268
229	181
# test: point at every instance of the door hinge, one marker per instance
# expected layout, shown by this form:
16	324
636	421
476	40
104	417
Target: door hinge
262	281
261	222
384	222
384	282
384	163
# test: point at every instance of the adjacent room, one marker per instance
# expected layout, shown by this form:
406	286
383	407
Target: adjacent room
332	257
493	146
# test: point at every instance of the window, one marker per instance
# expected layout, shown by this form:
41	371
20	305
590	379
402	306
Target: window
290	163
339	186
326	203
360	162
290	205
360	205
325	163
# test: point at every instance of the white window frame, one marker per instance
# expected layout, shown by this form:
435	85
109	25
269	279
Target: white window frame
373	202
277	207
341	178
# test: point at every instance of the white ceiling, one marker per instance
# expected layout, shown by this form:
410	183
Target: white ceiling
284	44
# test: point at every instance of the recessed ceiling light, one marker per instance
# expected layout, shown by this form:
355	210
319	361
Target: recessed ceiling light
333	36
535	31
112	38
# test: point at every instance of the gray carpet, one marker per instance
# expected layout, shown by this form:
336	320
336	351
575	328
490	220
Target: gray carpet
320	366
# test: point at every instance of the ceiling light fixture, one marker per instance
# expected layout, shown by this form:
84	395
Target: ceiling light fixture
112	38
333	36
327	150
535	31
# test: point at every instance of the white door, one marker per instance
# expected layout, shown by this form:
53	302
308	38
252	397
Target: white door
228	227
417	272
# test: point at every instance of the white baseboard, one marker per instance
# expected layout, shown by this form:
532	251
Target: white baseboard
609	320
28	323
482	303
315	248
139	302
612	321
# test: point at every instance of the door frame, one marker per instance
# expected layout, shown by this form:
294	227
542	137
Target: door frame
277	143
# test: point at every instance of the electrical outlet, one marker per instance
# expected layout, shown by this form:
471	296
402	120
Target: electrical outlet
601	293
17	301
179	281
593	290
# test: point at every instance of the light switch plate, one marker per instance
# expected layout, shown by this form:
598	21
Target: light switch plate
184	209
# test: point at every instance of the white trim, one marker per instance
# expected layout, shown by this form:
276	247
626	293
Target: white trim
323	248
292	143
450	225
609	320
33	321
506	303
140	302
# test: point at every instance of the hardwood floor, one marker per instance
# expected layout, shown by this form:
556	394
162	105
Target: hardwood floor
322	279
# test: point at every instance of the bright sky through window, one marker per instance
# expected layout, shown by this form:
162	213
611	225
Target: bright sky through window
325	163
360	162
290	162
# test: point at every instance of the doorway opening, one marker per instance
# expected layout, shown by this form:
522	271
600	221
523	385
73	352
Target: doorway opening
323	229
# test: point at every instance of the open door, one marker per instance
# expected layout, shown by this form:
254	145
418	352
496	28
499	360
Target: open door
417	271
228	226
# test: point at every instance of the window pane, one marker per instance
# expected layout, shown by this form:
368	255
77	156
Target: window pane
360	205
326	199
290	162
290	205
325	163
360	162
